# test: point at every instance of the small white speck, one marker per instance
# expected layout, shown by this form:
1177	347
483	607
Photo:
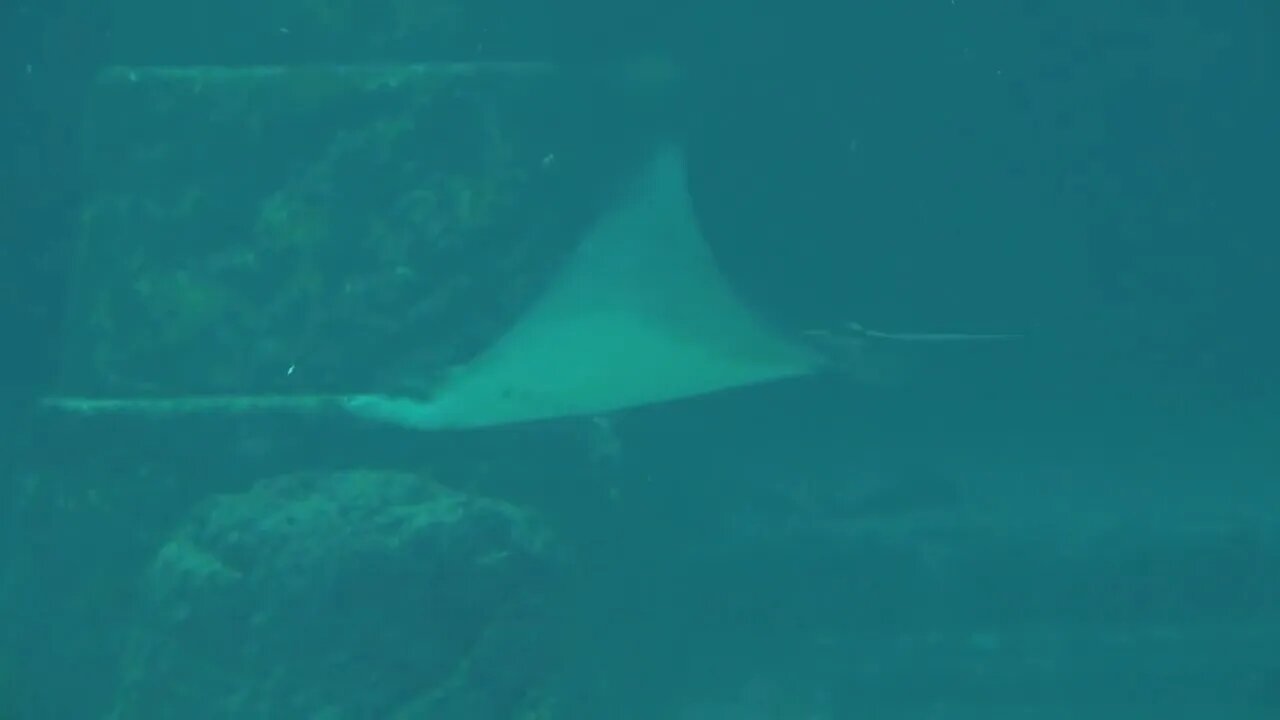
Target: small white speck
28	68
548	159
291	369
284	31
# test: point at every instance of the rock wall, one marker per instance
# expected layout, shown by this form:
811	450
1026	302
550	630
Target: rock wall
312	229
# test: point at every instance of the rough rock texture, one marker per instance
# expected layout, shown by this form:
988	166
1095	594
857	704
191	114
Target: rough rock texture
354	595
312	229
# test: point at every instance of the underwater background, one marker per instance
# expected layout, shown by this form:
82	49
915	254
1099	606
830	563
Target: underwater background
307	197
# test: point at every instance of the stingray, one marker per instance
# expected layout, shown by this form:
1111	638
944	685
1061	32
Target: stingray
639	314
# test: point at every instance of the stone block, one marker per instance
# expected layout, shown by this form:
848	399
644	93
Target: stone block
344	595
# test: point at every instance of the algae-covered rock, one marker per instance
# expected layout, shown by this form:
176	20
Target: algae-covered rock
349	595
272	229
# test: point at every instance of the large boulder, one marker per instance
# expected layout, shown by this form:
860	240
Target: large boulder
347	595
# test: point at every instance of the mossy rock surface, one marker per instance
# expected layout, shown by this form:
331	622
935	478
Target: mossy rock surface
320	229
345	595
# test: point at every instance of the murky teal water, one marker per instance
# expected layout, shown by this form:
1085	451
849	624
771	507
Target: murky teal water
298	198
